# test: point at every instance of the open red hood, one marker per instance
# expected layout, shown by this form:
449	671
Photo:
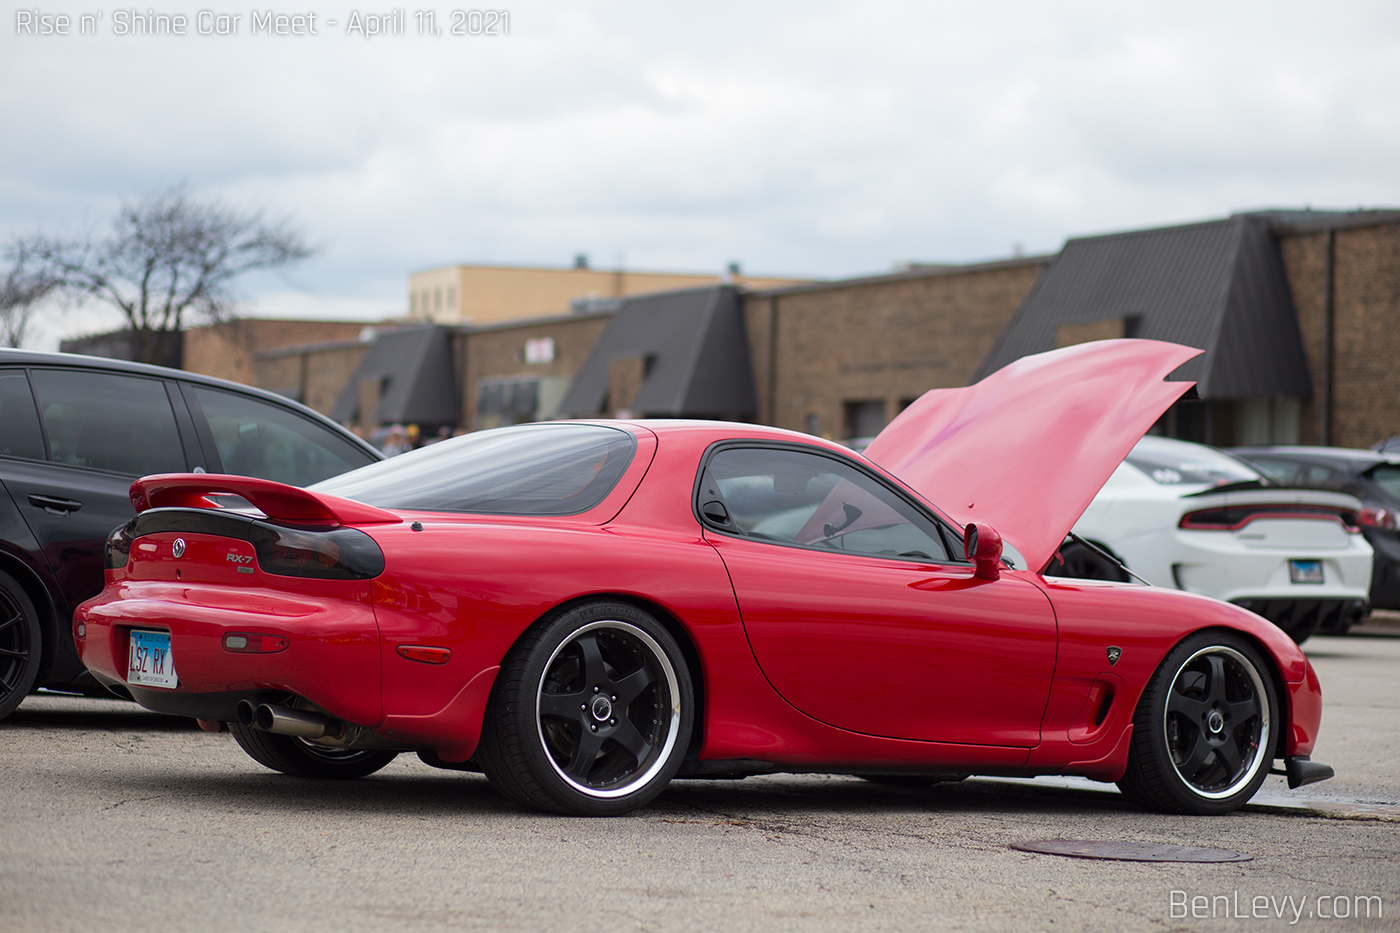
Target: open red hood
1028	447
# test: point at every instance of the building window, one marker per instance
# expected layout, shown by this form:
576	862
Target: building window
814	424
506	401
451	296
437	299
864	418
412	303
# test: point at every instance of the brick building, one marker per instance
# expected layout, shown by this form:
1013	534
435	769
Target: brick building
1313	299
229	350
841	359
1344	273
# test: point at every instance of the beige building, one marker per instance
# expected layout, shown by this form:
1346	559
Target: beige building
464	294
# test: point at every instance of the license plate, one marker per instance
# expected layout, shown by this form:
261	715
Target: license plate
150	662
1305	571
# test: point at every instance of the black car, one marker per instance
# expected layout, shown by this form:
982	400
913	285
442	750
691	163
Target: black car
1371	476
74	432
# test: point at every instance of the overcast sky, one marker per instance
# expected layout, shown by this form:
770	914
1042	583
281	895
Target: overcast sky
817	138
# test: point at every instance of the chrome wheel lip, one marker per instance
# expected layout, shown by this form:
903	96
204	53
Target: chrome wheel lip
637	781
1261	752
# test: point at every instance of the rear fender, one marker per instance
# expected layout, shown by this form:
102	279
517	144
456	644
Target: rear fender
53	615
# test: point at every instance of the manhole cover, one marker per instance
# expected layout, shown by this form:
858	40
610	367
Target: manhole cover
1129	851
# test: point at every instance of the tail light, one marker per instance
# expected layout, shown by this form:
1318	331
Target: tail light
118	547
1378	518
1235	517
337	554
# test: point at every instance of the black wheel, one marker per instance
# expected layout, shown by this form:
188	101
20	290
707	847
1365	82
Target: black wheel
292	755
19	645
591	713
1083	563
1205	730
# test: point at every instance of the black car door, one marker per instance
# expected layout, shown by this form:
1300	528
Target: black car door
100	430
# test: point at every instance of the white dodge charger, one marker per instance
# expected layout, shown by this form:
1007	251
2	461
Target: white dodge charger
1193	518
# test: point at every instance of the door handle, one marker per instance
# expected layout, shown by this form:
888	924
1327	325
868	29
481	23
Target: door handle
54	504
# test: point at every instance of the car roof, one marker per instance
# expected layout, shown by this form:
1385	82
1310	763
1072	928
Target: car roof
14	357
727	430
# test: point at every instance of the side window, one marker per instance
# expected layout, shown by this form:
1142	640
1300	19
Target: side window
795	498
106	421
1318	475
259	439
1283	471
19	421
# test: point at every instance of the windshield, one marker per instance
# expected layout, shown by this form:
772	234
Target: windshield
536	469
1174	463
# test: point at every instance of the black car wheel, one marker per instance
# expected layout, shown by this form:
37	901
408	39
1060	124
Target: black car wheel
1205	729
19	645
1082	563
591	713
293	755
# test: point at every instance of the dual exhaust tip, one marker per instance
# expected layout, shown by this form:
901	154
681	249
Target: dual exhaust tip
283	720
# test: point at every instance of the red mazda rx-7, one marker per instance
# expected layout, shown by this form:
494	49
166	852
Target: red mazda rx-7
586	610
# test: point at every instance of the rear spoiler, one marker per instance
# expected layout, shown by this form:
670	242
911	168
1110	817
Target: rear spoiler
277	501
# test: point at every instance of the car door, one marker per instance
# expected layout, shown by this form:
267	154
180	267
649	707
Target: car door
99	431
858	613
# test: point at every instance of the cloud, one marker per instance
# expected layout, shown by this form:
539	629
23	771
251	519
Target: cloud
820	138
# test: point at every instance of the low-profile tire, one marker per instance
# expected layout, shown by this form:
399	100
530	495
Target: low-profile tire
591	713
292	755
1083	563
20	645
1206	728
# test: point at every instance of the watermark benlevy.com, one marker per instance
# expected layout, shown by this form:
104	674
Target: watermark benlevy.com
1235	906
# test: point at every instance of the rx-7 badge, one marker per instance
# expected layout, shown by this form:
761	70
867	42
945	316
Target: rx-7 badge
1114	653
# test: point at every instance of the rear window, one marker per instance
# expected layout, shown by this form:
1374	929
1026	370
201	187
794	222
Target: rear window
537	469
1201	465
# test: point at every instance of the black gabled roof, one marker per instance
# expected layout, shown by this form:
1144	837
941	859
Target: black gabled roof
697	350
420	386
1219	286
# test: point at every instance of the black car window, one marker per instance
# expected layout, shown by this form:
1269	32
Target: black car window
1318	475
19	421
536	469
1387	476
1288	472
797	498
106	421
257	438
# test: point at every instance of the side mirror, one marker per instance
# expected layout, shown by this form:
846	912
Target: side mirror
982	546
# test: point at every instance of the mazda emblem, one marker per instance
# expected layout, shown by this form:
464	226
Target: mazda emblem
178	548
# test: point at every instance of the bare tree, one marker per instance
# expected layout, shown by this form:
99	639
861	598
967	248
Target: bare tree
168	258
23	287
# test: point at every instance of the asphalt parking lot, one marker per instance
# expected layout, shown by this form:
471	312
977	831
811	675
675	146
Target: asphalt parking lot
112	818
